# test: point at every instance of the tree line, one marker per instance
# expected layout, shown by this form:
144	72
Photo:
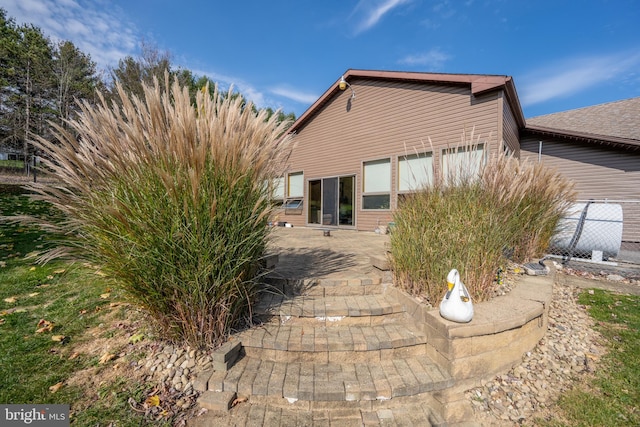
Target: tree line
41	81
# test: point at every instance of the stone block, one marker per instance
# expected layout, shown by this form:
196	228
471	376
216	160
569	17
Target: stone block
201	383
276	381
217	401
380	262
216	381
261	381
226	355
270	261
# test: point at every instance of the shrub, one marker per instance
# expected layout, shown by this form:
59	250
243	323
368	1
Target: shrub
473	222
169	199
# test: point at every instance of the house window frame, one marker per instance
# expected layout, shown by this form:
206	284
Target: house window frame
370	194
431	175
463	148
277	197
294	202
289	193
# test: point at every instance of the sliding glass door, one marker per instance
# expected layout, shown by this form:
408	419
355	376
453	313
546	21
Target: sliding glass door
331	201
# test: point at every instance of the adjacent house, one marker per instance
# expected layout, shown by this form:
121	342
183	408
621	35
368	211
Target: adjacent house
375	136
598	148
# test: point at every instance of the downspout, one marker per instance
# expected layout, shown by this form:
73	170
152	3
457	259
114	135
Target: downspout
539	151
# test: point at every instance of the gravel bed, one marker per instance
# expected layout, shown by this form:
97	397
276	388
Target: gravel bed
569	352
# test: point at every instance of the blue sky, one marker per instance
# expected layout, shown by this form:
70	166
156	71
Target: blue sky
284	54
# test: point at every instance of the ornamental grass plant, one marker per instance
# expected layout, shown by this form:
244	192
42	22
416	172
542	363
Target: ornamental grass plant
169	199
474	222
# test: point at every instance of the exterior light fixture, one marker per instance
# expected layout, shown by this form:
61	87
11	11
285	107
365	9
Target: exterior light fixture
343	86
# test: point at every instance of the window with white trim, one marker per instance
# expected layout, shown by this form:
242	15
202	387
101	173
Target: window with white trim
277	189
295	193
376	184
295	185
463	163
415	171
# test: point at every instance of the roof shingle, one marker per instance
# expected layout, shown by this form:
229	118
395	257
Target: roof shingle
620	119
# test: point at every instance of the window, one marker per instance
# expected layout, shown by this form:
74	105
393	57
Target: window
376	184
295	194
293	207
295	185
462	163
415	171
274	189
277	189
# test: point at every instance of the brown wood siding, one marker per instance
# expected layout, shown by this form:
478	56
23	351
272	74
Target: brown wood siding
388	119
510	134
598	173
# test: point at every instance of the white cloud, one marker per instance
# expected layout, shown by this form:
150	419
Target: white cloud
431	60
259	98
295	95
575	75
370	12
95	27
225	82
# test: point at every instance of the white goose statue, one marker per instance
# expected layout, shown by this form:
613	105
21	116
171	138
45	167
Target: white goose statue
456	304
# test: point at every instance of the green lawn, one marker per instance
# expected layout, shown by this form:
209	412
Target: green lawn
11	164
612	397
49	317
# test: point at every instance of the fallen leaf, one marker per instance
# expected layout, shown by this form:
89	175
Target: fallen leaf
33	294
105	296
49	277
58	338
55	387
1	321
136	338
106	357
10	300
60	271
238	400
153	400
114	304
44	326
83	311
32	269
74	355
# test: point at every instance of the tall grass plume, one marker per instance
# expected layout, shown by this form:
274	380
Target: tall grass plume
169	198
482	210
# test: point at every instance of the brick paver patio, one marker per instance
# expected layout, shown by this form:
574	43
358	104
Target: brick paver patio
334	349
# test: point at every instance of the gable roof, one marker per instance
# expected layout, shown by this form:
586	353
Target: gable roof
479	83
614	123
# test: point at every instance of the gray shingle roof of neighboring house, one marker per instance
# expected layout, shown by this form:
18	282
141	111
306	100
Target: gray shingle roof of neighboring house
614	123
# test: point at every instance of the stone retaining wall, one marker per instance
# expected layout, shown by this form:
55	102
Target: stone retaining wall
502	330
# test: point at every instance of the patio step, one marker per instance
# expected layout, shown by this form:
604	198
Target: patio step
320	343
334	382
325	287
334	347
331	308
417	414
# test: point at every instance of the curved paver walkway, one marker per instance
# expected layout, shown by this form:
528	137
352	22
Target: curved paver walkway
334	349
